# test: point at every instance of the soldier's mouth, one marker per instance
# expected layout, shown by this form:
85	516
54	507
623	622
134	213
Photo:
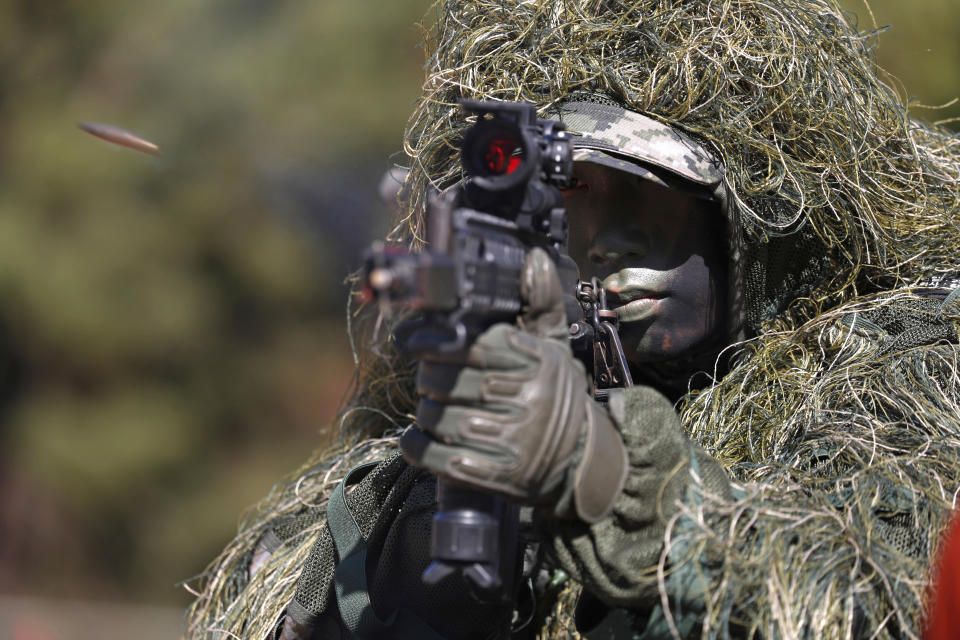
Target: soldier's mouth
629	294
634	304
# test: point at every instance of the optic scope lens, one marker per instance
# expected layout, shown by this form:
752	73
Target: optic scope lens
498	155
503	155
494	149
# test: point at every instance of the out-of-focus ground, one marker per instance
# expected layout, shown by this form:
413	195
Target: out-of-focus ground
61	619
172	329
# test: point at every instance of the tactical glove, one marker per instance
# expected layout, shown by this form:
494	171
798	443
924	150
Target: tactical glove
512	414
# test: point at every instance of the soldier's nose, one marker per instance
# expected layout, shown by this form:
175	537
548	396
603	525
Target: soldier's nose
610	248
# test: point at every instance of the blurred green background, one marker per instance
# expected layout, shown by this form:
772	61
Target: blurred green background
171	328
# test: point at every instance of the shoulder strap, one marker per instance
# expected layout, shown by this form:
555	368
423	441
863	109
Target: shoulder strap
350	575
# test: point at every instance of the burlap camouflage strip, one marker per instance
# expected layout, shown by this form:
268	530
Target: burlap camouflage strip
616	137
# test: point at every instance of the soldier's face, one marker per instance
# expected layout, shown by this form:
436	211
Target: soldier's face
659	254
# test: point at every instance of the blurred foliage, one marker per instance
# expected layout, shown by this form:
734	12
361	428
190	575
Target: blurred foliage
171	328
919	49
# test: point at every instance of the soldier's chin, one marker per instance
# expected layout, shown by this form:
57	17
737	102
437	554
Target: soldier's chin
650	345
633	337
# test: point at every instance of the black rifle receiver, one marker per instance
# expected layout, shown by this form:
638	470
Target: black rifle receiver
468	278
478	234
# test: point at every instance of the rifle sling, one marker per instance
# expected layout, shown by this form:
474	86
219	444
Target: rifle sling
350	575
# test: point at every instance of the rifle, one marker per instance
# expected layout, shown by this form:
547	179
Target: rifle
468	278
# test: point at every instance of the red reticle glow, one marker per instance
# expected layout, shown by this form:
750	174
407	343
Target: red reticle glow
500	156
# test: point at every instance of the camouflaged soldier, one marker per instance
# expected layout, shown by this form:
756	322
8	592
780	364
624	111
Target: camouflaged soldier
647	219
829	442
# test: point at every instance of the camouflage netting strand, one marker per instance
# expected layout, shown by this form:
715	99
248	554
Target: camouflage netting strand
786	93
232	603
844	434
838	412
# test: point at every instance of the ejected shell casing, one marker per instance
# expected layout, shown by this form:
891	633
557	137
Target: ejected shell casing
121	137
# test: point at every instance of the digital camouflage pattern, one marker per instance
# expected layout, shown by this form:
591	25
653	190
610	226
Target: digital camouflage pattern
616	137
837	420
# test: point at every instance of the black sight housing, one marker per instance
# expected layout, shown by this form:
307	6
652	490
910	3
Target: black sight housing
511	158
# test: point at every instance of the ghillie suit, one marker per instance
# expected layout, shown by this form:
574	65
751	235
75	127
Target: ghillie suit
838	418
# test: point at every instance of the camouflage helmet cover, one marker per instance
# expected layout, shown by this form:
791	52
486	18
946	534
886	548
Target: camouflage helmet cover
613	136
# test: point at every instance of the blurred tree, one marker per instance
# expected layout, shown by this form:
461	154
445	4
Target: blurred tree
171	329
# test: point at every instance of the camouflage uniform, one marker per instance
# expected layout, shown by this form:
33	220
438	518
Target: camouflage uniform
616	559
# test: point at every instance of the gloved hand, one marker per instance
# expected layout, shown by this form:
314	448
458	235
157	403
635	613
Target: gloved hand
513	415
